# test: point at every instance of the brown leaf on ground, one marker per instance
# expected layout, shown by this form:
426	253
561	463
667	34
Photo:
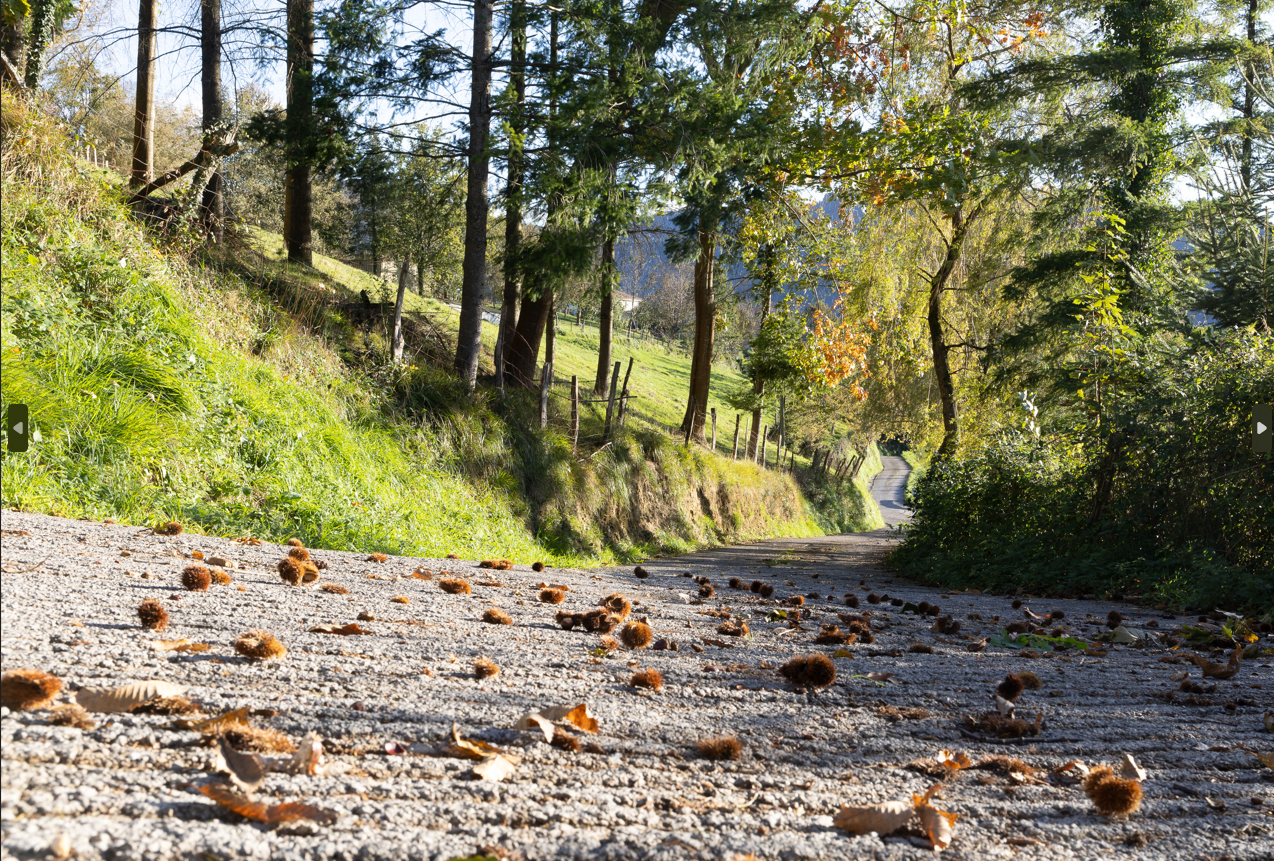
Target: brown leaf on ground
343	630
246	770
217	723
334	589
182	645
535	721
496	564
377	557
274	814
938	825
882	818
953	761
1219	671
577	715
125	697
496	768
468	749
895	714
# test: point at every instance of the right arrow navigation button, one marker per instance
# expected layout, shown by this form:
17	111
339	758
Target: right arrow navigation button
1262	419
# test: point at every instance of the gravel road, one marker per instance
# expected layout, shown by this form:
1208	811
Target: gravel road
385	705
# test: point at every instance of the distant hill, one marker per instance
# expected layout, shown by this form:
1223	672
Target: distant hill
644	263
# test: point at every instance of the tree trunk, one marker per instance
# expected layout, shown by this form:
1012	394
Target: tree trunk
705	328
298	203
605	317
143	170
210	25
39	31
1249	103
513	188
769	277
396	335
537	312
13	42
474	270
937	339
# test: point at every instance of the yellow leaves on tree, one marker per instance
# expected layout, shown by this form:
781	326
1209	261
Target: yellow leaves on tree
837	351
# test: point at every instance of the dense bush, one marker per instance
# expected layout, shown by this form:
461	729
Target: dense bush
1164	498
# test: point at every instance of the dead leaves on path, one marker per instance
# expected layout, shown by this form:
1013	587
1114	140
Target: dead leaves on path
271	814
493	763
1219	671
886	817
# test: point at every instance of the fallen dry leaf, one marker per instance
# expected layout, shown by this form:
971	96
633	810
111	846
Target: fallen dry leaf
123	698
1219	671
578	715
274	814
1003	706
1130	769
217	723
466	749
953	761
880	677
535	720
882	818
343	630
182	645
495	768
1267	759
938	825
842	653
246	770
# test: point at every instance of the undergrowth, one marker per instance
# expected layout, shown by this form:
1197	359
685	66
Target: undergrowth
1135	511
232	395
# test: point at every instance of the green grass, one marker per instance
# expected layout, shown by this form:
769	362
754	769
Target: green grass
660	377
231	395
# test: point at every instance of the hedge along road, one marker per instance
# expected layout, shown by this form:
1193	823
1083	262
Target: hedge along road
385	704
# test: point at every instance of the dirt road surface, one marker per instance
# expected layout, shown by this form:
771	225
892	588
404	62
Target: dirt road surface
385	704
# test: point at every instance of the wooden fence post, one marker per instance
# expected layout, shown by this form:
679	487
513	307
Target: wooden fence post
610	402
765	433
546	380
737	417
714	430
574	411
623	396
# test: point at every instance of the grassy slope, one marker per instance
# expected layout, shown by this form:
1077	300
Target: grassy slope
659	378
220	398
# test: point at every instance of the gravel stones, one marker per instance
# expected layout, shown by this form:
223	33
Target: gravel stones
637	789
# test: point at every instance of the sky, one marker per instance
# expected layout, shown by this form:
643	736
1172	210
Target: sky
244	63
